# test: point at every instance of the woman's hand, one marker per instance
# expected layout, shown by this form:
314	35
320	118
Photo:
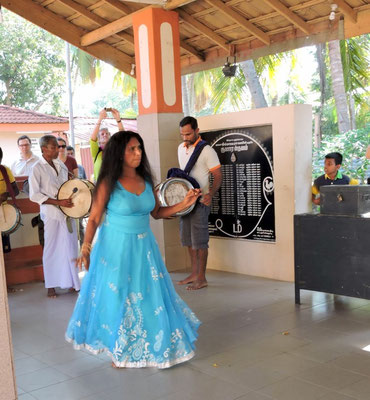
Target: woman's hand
115	114
102	114
191	197
83	260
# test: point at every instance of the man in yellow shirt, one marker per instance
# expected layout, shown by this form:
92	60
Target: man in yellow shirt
4	194
100	137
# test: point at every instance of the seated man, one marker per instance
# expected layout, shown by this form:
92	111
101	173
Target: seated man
332	176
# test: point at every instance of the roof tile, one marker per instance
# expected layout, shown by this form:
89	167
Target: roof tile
13	115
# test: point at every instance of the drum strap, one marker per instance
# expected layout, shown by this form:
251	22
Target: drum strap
8	184
194	157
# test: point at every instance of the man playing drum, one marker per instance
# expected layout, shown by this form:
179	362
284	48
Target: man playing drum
60	248
194	226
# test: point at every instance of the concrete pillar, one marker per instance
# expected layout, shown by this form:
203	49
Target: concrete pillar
7	379
158	73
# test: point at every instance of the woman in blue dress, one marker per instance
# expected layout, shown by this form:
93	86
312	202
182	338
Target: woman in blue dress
127	305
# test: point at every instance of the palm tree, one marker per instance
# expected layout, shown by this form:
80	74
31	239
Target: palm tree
127	84
84	66
339	91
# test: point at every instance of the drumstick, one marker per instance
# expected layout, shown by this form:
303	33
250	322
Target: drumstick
73	192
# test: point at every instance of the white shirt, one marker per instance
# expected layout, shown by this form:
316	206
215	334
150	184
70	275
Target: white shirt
23	167
207	162
44	183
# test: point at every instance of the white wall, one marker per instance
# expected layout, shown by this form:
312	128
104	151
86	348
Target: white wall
292	149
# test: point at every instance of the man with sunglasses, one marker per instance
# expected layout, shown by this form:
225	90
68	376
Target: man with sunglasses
70	162
23	166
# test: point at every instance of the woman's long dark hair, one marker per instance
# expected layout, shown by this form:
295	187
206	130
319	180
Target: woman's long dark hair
112	164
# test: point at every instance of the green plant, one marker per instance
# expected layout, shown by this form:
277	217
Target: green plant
352	145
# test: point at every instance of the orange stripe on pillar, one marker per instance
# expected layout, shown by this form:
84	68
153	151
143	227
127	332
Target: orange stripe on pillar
157	57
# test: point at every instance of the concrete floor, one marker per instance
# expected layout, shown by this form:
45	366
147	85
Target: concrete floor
254	344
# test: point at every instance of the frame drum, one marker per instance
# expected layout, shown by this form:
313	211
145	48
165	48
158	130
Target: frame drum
81	192
10	218
173	191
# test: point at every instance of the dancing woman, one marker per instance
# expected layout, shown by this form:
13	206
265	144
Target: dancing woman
128	306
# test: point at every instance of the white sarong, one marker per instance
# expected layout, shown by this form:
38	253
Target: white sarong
60	252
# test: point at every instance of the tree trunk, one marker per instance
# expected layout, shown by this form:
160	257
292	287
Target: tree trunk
320	56
254	85
185	96
188	96
340	97
352	111
9	96
317	132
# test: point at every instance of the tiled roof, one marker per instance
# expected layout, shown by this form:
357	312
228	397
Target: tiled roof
13	115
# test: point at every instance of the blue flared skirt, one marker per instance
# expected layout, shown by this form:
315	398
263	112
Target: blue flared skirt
127	305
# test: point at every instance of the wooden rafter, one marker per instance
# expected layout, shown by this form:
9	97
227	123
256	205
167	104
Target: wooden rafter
192	51
118	6
94	18
346	10
289	15
172	4
102	22
123	23
107	30
214	37
240	20
60	27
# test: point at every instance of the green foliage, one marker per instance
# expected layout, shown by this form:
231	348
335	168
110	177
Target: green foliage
231	89
352	145
113	98
32	66
356	64
87	67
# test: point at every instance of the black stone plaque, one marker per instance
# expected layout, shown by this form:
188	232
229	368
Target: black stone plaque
244	206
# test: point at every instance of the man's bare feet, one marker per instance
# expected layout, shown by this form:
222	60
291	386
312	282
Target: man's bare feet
52	293
189	279
72	290
116	366
197	285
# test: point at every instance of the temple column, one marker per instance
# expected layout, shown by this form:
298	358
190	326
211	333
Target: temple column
158	73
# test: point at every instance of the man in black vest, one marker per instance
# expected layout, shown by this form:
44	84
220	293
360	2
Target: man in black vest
332	176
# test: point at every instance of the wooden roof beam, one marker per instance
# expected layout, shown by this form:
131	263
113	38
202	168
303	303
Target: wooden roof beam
119	6
192	51
172	4
93	17
107	30
346	10
240	20
214	37
289	15
58	26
